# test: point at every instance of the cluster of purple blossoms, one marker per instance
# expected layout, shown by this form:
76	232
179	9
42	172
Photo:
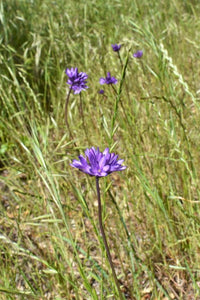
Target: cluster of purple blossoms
138	54
98	163
108	79
101	92
116	47
76	80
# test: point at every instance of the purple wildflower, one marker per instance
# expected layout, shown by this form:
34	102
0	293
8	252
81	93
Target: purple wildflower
101	92
138	54
116	47
76	80
108	79
98	163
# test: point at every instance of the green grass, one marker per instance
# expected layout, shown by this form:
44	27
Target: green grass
50	245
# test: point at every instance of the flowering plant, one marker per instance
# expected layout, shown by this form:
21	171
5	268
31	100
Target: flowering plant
100	164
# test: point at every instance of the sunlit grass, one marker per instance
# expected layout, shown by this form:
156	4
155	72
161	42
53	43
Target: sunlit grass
50	244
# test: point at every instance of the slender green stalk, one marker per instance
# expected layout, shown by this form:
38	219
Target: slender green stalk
66	111
121	62
126	86
119	96
105	240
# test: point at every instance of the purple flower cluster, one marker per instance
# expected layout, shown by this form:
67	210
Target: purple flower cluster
76	80
138	54
101	92
116	47
98	163
108	79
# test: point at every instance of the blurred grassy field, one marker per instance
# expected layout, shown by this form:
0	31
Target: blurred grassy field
50	245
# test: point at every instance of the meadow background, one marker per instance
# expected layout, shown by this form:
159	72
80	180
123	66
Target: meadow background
50	245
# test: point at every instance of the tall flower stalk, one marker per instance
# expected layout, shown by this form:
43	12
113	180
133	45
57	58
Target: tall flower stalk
101	164
116	48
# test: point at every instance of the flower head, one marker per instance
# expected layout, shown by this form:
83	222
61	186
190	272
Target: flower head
116	47
138	54
101	92
76	80
108	79
98	163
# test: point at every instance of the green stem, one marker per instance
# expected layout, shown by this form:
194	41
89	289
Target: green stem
126	86
66	111
105	240
119	96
